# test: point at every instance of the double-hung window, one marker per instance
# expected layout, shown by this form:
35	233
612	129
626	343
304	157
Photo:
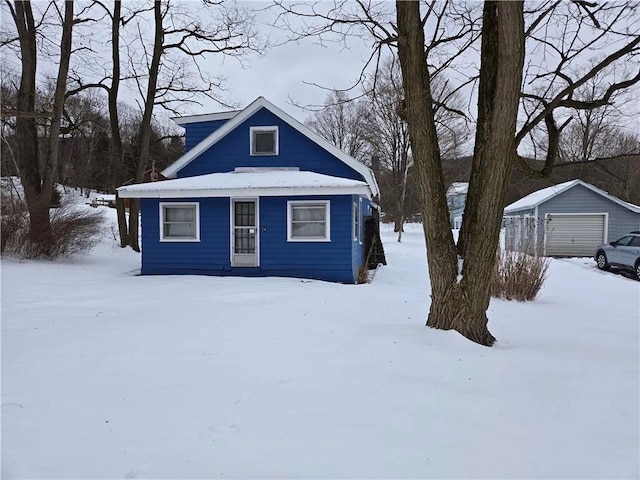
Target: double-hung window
264	140
308	221
179	222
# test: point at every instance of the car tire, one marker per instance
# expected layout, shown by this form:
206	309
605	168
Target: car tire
601	261
637	270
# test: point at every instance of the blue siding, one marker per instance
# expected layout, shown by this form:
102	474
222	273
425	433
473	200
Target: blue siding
295	150
211	253
357	246
198	131
337	260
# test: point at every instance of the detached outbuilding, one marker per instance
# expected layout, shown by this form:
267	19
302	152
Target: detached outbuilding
568	219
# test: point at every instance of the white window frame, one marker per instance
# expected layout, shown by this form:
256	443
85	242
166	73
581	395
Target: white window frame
361	221
179	204
327	230
273	129
357	227
354	222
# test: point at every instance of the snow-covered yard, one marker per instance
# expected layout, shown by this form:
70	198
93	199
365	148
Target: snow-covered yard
107	374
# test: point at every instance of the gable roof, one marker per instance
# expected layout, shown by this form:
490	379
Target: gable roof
207	117
538	197
237	118
248	182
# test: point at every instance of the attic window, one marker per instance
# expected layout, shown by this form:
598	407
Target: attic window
264	140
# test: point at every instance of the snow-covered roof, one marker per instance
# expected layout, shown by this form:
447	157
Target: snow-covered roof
253	182
458	188
540	196
236	118
107	197
207	117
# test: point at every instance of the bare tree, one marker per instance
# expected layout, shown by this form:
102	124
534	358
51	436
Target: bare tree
389	134
563	33
342	122
38	176
182	36
389	137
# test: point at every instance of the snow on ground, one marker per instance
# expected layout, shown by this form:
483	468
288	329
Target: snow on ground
107	374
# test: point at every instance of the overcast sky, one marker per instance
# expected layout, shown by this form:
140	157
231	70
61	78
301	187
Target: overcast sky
279	74
284	74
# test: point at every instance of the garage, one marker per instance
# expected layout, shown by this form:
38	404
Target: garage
574	234
569	219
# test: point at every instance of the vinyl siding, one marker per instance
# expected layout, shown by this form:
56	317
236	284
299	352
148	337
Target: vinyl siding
357	247
295	150
579	199
332	261
582	200
198	131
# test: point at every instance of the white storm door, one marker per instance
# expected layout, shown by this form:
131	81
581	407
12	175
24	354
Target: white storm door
244	237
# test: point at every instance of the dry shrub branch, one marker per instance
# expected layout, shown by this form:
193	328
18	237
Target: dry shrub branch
75	230
518	276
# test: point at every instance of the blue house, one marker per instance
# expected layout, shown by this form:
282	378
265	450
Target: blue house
258	194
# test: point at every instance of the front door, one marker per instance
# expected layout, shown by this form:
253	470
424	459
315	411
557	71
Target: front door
244	234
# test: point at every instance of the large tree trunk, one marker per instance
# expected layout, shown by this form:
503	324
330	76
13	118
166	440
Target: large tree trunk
50	169
26	127
145	125
502	61
441	252
116	139
38	182
462	305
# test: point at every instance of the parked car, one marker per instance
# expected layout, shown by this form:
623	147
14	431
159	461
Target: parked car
624	253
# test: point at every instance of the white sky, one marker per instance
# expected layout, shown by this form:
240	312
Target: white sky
279	74
283	74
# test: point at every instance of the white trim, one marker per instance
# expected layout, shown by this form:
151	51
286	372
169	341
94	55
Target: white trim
260	102
232	226
178	204
605	233
544	243
269	128
327	230
233	192
355	225
360	220
566	186
207	117
535	228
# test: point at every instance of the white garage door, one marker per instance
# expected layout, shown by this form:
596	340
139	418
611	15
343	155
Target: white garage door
574	235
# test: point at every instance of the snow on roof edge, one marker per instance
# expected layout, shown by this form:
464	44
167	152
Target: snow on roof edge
249	110
255	183
544	194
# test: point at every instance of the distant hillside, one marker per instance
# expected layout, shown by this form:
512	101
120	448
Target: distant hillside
618	176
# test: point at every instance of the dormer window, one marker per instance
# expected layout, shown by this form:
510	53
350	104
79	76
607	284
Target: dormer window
264	140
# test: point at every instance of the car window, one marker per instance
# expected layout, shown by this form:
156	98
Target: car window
635	242
624	241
